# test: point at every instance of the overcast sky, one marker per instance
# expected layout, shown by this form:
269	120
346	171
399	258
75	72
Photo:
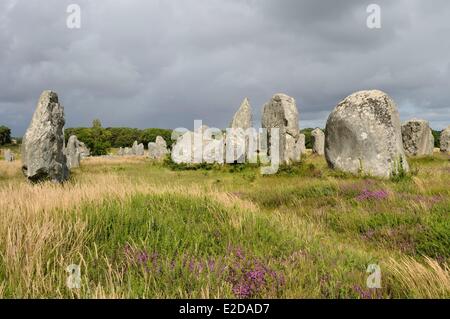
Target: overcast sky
165	63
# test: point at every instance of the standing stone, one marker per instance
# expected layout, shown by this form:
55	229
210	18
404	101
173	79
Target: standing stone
301	143
128	152
43	143
138	149
445	140
243	117
418	138
363	135
8	155
237	139
72	153
281	112
134	148
83	149
121	152
158	149
318	139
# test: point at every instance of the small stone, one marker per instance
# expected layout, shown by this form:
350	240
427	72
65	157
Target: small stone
72	153
9	156
158	150
445	140
417	138
318	140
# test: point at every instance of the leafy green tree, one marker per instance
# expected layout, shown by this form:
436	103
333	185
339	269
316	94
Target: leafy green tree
100	139
96	123
308	137
5	135
437	138
149	135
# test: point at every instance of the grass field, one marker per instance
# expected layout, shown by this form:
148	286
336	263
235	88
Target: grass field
145	230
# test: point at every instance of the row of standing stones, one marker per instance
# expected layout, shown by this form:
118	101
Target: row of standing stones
363	135
156	150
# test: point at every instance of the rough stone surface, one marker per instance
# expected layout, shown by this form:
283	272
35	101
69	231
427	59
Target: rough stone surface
128	151
121	152
281	112
8	155
418	138
43	143
363	135
140	150
158	149
83	149
72	152
301	143
243	117
445	140
137	149
237	138
318	137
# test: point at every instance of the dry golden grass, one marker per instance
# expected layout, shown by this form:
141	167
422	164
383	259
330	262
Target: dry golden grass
32	221
9	169
426	279
33	225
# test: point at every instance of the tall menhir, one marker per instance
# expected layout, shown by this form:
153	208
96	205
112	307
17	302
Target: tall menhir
43	144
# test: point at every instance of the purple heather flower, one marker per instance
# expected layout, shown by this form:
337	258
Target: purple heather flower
242	291
142	257
372	195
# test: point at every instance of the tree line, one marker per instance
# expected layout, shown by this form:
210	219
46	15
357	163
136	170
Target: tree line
99	139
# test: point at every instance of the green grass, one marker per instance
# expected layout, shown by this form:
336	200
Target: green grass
199	232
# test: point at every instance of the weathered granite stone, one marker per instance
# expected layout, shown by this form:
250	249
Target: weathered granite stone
418	138
238	135
8	155
43	143
83	150
140	150
318	137
363	135
72	153
158	150
301	143
128	151
281	112
445	140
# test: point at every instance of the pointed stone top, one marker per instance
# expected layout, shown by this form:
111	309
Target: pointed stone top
49	95
243	117
417	120
280	97
317	131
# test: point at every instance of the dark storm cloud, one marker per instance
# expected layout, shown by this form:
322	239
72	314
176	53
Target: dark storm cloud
164	63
